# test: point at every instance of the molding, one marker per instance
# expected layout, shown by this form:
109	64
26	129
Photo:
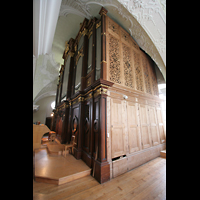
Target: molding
48	90
75	7
149	14
46	94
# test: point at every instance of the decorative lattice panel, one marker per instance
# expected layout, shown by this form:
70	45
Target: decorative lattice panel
138	71
114	59
146	75
128	71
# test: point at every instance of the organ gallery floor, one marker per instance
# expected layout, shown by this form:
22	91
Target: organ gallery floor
58	169
147	181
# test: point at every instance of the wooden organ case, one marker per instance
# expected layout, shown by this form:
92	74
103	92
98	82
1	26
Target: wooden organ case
107	100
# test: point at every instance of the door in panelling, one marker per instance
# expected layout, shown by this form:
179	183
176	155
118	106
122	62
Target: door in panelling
153	126
133	127
144	122
117	128
160	125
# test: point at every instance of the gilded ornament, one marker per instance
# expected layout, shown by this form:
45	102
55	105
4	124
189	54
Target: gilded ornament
71	54
80	53
84	32
98	25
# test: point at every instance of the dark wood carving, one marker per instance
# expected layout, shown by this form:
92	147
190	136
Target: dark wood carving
86	128
75	128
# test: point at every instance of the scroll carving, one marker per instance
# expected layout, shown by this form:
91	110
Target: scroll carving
114	59
128	72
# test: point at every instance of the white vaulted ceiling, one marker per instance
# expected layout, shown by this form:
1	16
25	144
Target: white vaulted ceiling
145	20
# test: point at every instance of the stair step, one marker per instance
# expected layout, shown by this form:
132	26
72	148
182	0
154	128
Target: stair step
58	169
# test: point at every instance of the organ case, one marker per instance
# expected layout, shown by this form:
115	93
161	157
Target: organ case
103	66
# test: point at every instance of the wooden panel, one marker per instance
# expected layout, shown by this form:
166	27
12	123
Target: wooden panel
141	157
145	134
75	123
117	128
160	125
96	125
59	124
153	126
113	27
86	132
117	141
119	166
133	129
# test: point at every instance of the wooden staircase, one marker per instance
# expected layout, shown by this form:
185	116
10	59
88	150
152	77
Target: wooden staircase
163	153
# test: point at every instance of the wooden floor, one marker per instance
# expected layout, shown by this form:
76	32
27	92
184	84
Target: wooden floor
147	181
58	169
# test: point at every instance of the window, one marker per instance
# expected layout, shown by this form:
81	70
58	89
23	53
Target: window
53	105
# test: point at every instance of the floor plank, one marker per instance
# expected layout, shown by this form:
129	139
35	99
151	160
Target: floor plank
147	181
